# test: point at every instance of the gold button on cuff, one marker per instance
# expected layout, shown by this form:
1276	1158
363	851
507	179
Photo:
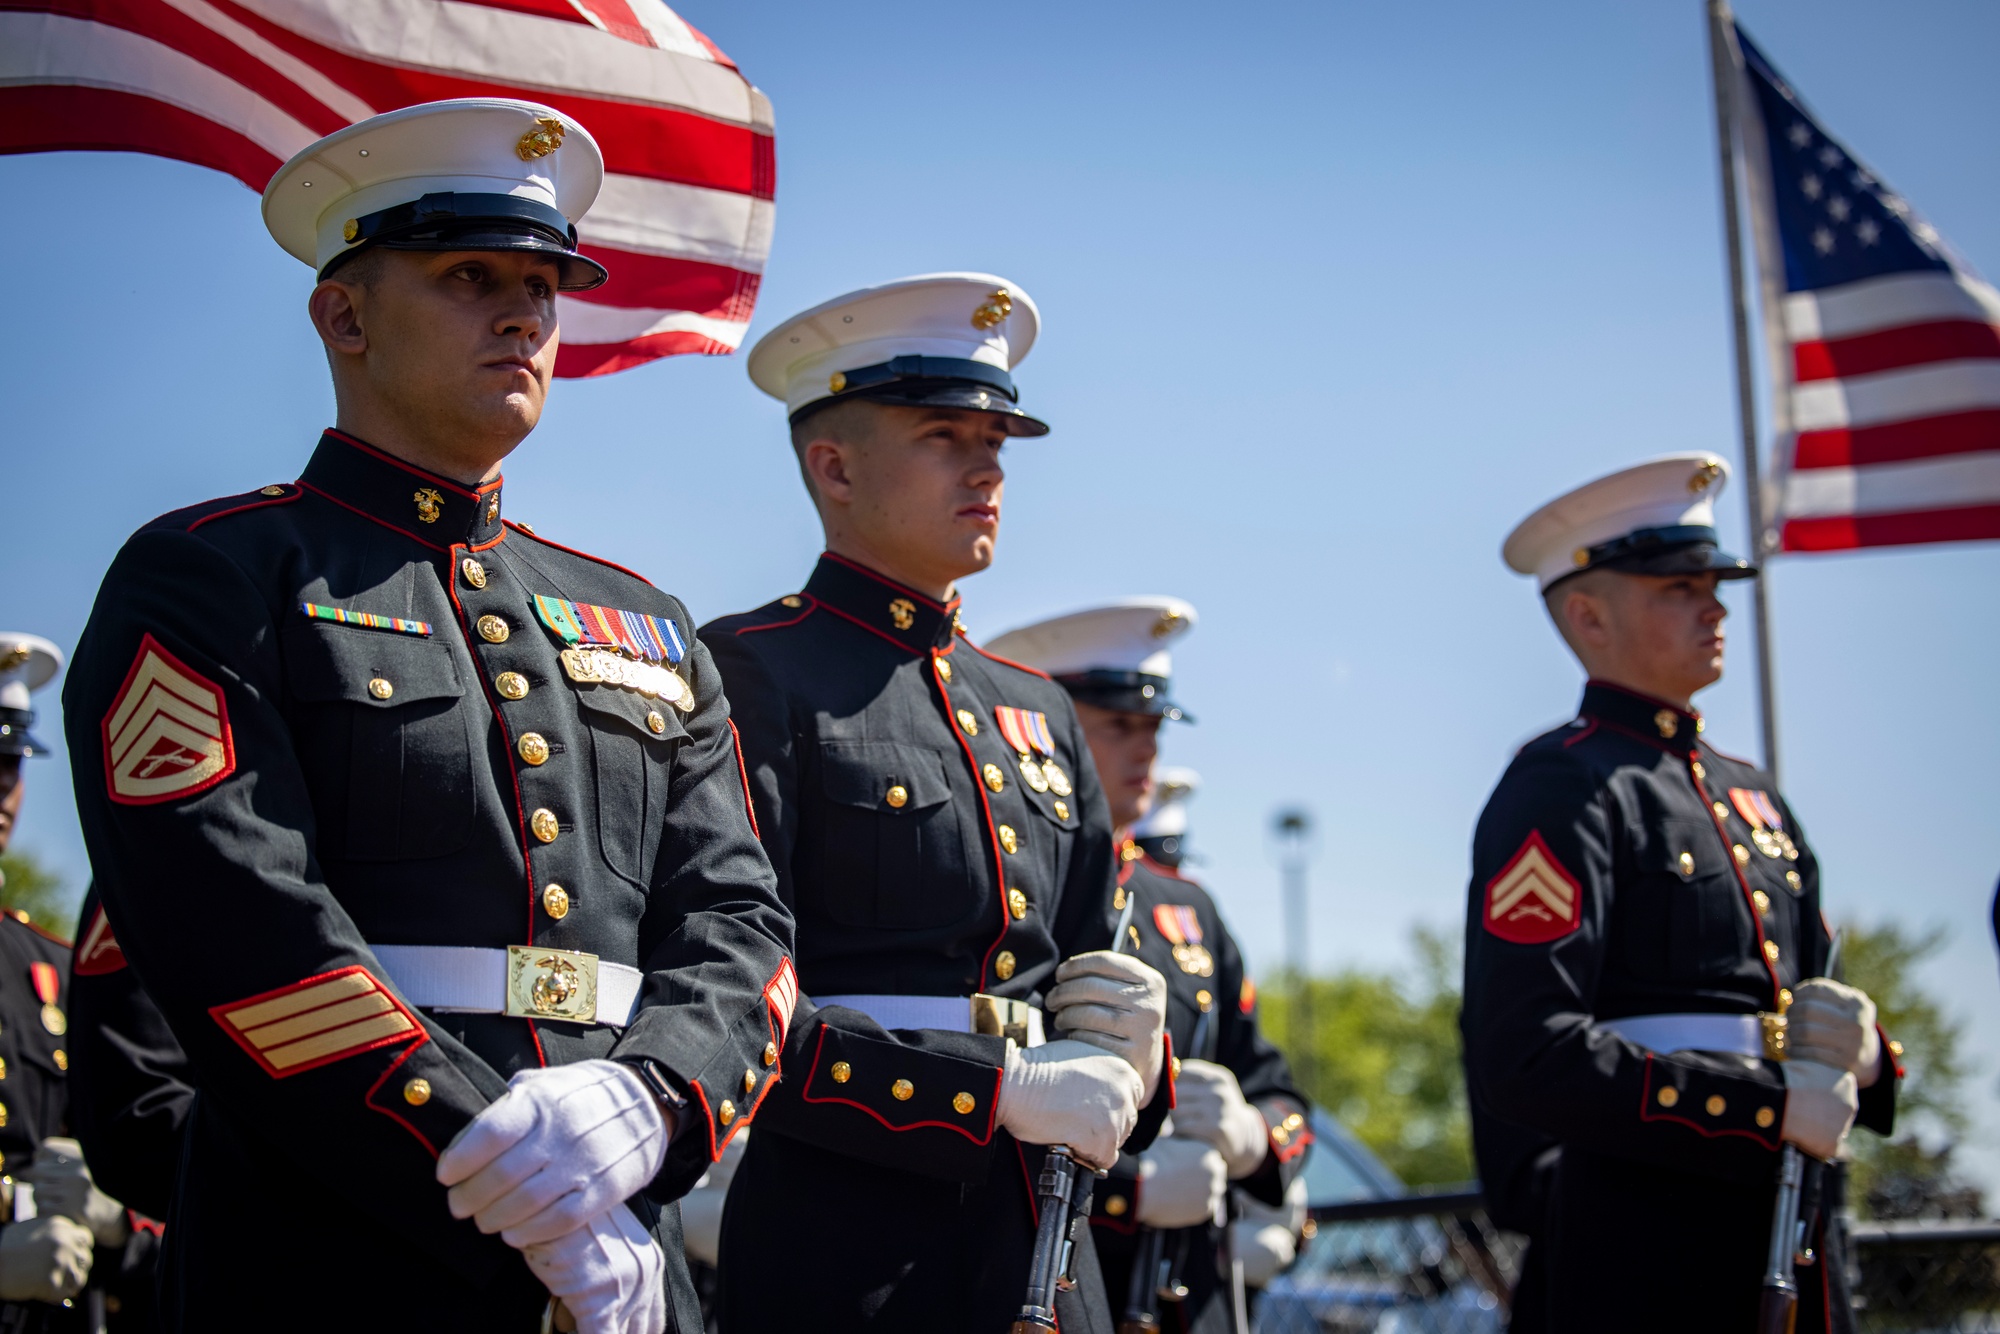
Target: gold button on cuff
1765	1116
1003	965
944	669
511	685
969	721
555	902
1116	1206
534	747
380	688
417	1092
1761	899
1017	904
655	722
749	1082
995	780
544	825
493	630
963	1103
1667	1097
1792	879
1009	840
61	1058
1062	810
1715	1106
1741	853
1174	1067
841	1072
474	572
770	1053
726	1113
902	1090
897	796
1771	950
1687	863
1131	852
791	600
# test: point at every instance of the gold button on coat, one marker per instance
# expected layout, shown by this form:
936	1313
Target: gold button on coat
534	747
749	1082
897	796
1721	811
1792	879
1699	771
511	685
475	573
1204	999
61	1058
493	630
544	825
1741	853
1009	840
1765	1116
969	721
770	1053
1062	810
1116	1206
944	669
1715	1106
3	1068
902	1090
1667	1097
555	902
995	780
380	688
1017	904
1003	965
1771	950
963	1103
655	723
842	1072
417	1092
1687	863
271	491
791	600
1761	899
726	1113
1784	999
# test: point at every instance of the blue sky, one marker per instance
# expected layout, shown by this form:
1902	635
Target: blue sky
1333	294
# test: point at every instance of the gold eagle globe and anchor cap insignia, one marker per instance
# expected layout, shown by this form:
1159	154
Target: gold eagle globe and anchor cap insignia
1656	518
430	504
902	613
544	139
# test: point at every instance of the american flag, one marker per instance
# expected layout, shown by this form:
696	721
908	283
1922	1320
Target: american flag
1884	345
684	219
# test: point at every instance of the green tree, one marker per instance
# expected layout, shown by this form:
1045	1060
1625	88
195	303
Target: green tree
26	885
1384	1058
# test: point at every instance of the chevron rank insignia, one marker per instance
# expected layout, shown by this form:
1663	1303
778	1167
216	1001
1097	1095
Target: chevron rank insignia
167	734
1534	899
97	950
320	1020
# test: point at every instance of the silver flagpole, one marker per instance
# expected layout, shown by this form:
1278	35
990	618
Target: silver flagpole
1723	63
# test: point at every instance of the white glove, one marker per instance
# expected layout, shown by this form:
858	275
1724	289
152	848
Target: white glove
560	1147
43	1259
63	1186
609	1274
1116	1002
1834	1024
1266	1239
1820	1104
701	1208
1070	1093
1180	1183
1209	1106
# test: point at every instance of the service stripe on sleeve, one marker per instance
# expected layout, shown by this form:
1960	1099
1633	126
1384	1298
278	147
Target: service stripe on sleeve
319	1020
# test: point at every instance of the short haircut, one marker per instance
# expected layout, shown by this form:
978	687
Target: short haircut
361	269
851	421
1596	582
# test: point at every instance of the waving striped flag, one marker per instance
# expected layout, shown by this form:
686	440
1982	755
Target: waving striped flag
683	222
1884	345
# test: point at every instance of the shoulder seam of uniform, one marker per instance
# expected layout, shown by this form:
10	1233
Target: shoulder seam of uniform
44	932
581	555
1170	872
985	653
202	511
1734	759
811	606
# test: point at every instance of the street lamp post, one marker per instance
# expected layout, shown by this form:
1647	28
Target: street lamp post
1294	833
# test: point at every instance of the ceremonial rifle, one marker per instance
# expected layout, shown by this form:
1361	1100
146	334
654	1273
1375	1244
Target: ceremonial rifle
1778	1304
1152	1281
1062	1193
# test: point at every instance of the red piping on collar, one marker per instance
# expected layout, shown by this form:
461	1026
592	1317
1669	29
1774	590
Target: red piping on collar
262	502
889	583
811	606
1009	661
581	555
412	469
882	634
1581	732
355	509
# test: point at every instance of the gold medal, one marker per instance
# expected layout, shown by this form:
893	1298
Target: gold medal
54	1020
1058	780
1195	959
1032	775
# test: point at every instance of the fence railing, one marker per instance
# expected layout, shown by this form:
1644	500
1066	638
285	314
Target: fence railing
1432	1263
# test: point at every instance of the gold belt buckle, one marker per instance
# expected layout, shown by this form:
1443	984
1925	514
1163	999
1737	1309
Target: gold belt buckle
1774	1026
551	984
999	1017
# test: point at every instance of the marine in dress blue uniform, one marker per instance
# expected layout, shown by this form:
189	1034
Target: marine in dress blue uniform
389	799
1643	910
1117	660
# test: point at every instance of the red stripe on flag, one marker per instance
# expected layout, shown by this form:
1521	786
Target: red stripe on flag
1898	442
1970	523
561	10
578	360
1892	349
45	118
658	282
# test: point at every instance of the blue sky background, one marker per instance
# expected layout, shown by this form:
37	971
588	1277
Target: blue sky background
1333	294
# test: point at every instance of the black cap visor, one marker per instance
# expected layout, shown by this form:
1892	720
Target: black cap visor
15	739
1124	692
933	382
448	221
1684	549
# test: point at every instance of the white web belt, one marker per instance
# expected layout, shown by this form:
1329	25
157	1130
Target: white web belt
1742	1034
954	1014
526	981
